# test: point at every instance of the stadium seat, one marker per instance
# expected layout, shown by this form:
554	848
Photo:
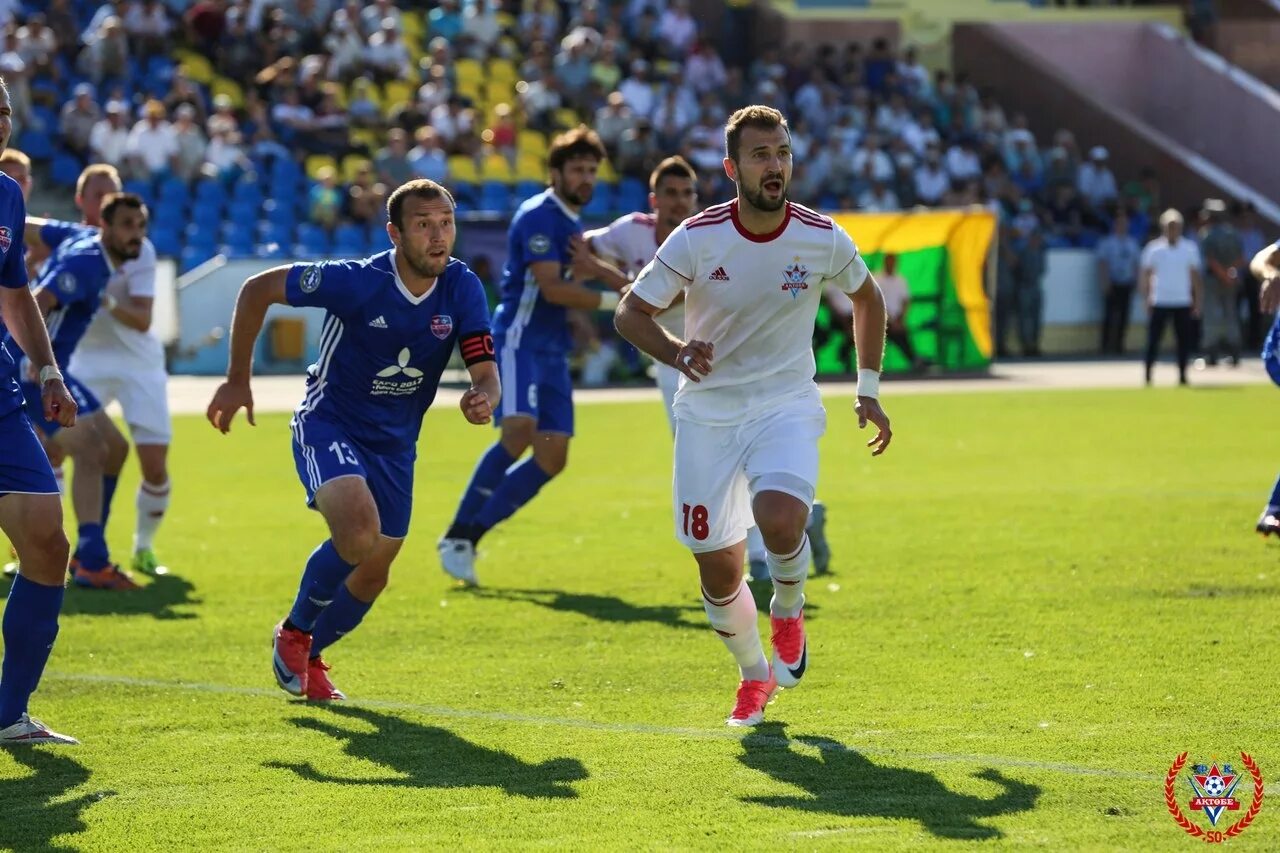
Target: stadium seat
248	192
601	204
495	197
167	239
36	142
194	256
351	164
240	240
195	66
228	87
65	170
468	71
528	189
168	210
349	240
504	70
243	211
378	240
285	170
607	173
397	94
313	242
533	143
211	192
174	190
632	195
530	168
279	234
567	118
316	162
462	169
497	168
279	212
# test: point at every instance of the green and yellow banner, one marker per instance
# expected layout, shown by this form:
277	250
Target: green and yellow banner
943	256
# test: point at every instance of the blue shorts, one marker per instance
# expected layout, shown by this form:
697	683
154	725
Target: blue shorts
1271	352
86	403
24	469
535	384
323	451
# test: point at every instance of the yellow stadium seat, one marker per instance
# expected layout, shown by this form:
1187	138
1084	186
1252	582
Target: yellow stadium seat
606	173
499	91
369	88
532	142
351	164
316	162
468	71
366	136
463	169
412	26
567	118
469	89
397	93
198	68
228	87
504	70
530	168
496	168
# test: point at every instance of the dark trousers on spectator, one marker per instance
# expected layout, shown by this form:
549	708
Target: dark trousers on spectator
898	335
1115	317
1183	329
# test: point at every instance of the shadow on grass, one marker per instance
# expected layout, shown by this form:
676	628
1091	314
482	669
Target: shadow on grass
609	608
160	599
841	781
1220	591
32	811
431	757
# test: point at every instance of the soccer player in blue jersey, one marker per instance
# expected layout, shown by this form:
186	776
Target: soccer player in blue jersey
30	508
391	324
1265	267
531	335
69	292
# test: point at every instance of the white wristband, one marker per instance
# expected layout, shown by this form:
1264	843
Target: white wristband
868	383
109	301
609	300
48	372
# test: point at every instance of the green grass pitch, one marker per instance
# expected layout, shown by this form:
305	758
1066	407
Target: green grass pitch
1039	600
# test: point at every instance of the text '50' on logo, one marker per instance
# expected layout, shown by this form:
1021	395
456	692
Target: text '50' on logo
1215	787
794	278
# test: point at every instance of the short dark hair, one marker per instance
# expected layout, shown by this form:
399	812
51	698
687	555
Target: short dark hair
582	141
676	167
417	188
757	115
114	201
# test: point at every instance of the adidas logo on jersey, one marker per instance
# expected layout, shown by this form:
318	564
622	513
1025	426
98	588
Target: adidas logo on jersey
378	322
719	275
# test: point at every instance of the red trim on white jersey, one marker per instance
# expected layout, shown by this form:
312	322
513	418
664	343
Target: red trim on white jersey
759	238
713	215
812	217
646	219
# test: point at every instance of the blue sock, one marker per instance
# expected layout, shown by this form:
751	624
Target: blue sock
324	573
30	627
338	620
1274	503
108	492
515	490
91	548
488	474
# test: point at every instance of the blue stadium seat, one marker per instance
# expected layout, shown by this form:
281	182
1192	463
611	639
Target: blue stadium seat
243	211
247	191
527	190
207	216
174	190
279	234
240	240
37	143
65	170
194	256
279	213
167	240
211	192
494	197
349	240
313	242
169	211
601	204
632	195
138	187
285	171
378	240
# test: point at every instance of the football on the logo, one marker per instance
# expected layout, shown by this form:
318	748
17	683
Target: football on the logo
1214	786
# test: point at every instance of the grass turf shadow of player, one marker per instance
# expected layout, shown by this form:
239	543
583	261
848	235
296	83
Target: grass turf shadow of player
433	757
159	599
33	811
609	608
842	781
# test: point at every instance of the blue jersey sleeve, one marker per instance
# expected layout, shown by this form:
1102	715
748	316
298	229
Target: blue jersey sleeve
74	279
542	236
56	231
331	285
13	263
475	341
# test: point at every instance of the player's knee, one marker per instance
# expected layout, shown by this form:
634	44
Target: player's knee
43	552
781	519
356	540
115	450
551	455
517	435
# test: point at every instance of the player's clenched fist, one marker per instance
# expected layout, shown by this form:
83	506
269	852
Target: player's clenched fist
58	403
230	398
694	359
476	407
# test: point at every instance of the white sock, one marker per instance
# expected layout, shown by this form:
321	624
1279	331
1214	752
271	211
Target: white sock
789	574
735	620
755	544
152	502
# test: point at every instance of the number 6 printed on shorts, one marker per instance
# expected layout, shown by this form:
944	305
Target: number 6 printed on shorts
700	528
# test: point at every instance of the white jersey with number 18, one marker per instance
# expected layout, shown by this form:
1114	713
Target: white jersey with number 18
754	297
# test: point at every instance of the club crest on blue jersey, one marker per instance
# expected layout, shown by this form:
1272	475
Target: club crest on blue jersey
6	238
794	278
67	282
310	280
539	244
441	326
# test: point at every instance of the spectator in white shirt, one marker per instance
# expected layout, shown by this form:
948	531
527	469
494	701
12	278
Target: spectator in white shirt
1171	287
705	70
870	162
225	156
677	29
932	180
346	49
78	118
637	90
919	132
1095	181
190	143
878	199
152	144
148	26
109	137
374	17
962	161
387	56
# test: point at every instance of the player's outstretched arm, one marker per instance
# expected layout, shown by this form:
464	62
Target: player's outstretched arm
31	235
570	294
479	401
1265	267
24	317
589	266
634	320
868	337
257	294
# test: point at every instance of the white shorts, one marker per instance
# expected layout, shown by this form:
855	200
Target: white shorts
720	469
142	394
668	381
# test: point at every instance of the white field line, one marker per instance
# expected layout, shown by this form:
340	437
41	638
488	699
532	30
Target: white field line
613	727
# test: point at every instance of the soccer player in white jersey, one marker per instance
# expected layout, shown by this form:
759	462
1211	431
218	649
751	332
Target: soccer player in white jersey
630	242
121	359
748	413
